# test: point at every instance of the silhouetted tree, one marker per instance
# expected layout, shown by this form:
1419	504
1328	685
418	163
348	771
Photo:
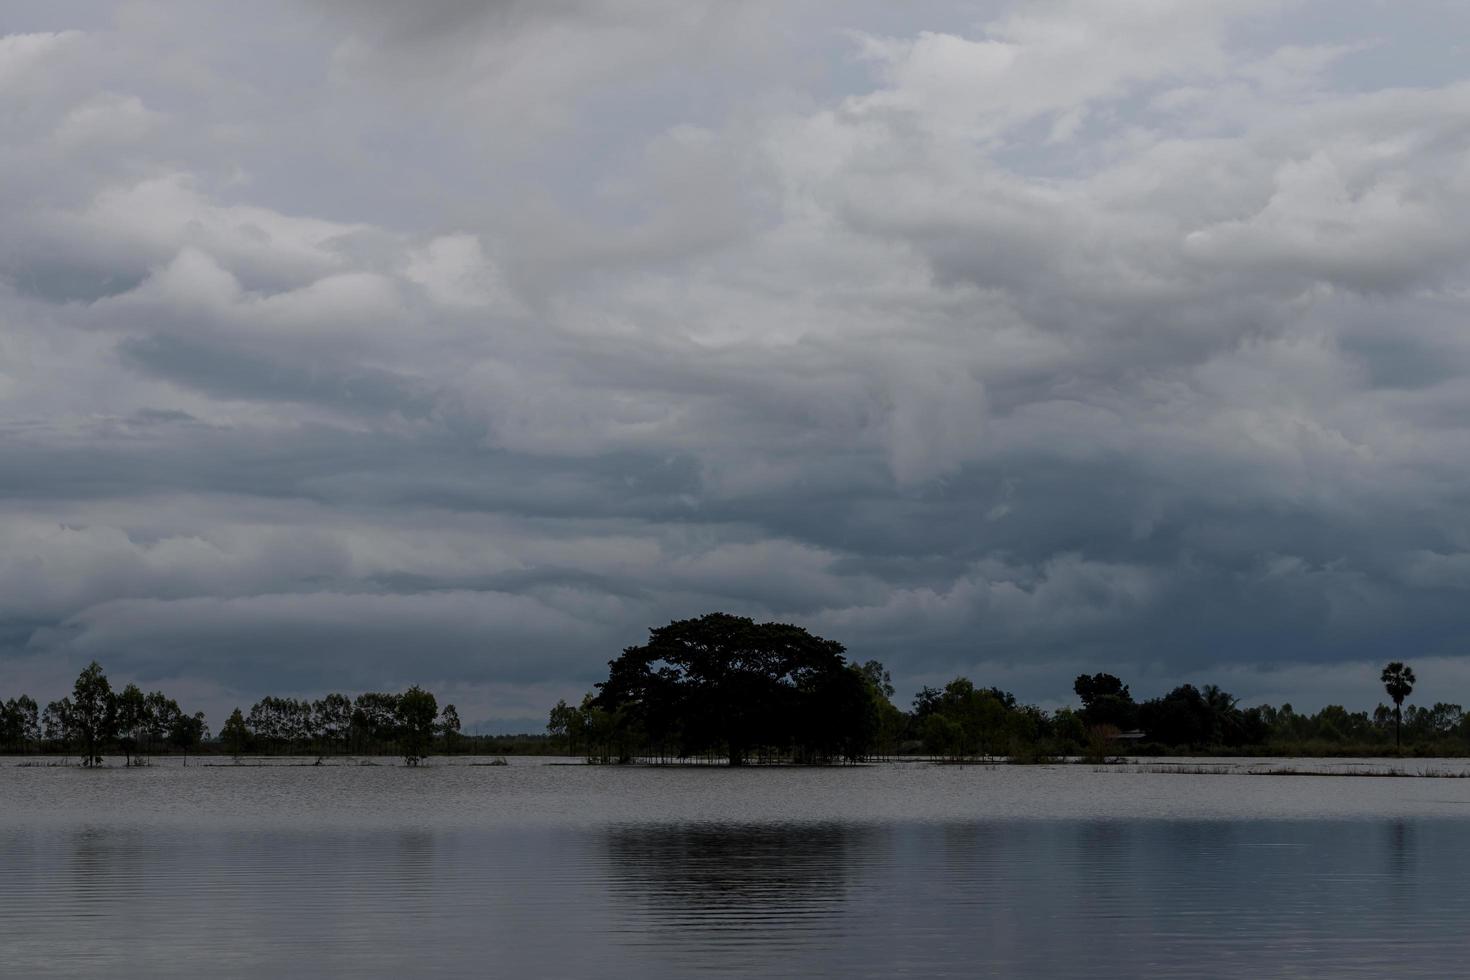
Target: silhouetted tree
890	720
415	715
132	720
1068	728
877	675
563	723
93	714
838	718
19	723
163	715
726	683
1181	717
235	735
449	727
56	723
374	719
1106	701
187	731
1398	681
332	718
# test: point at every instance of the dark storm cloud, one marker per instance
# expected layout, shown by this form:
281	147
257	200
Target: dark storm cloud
354	344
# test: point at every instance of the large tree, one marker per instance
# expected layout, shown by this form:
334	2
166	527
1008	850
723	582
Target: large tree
723	683
1398	681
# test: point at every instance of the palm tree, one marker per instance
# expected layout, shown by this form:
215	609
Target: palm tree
1398	681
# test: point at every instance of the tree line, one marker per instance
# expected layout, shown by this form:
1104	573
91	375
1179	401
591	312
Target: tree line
724	688
410	724
94	719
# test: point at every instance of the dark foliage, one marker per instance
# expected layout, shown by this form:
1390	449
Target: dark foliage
726	685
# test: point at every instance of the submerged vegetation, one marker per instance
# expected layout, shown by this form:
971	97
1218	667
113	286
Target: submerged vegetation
94	720
726	686
723	688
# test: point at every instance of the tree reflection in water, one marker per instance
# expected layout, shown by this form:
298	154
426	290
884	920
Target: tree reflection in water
763	889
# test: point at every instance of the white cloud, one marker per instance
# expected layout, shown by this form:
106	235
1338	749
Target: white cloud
107	118
21	55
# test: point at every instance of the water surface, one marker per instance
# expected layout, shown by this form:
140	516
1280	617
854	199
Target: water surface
891	870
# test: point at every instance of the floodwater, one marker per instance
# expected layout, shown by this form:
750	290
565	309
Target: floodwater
536	870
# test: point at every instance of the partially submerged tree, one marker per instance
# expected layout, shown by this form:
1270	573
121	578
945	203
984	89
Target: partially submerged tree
562	724
961	721
374	720
20	725
449	727
890	719
93	715
56	724
132	720
1398	681
416	715
235	735
727	684
164	714
282	723
187	731
332	718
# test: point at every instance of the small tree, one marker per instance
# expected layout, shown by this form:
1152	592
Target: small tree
56	724
185	732
1398	681
29	714
93	712
416	713
20	723
332	718
374	720
131	716
235	735
562	725
164	715
449	726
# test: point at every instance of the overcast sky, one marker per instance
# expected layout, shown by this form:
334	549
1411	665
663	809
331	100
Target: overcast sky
349	345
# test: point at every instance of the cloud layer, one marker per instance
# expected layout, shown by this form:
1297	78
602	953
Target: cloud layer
345	349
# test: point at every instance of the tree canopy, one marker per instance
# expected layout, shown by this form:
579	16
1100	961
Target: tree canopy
726	684
1398	683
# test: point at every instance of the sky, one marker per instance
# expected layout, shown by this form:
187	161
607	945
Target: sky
352	344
